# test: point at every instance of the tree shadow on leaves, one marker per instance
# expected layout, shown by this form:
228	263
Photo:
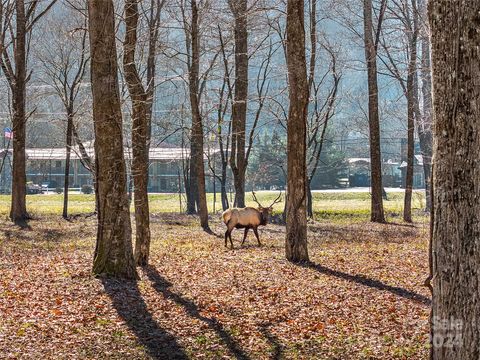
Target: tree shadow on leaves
161	285
276	346
129	304
363	280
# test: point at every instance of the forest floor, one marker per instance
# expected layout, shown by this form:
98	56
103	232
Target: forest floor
362	297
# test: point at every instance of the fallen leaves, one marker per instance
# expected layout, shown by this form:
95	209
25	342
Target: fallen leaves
200	300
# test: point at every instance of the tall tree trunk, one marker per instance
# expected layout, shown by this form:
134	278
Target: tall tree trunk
309	198
223	187
424	127
296	238
196	144
113	253
191	191
140	136
239	110
18	210
456	199
188	172
411	102
377	213
68	150
311	78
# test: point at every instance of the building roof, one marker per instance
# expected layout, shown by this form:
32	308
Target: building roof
358	160
157	153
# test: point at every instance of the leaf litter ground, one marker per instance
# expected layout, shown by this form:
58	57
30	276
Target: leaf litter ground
361	298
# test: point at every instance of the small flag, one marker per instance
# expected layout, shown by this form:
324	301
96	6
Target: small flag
8	133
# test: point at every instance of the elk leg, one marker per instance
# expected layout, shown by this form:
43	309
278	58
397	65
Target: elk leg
226	237
228	234
256	235
245	235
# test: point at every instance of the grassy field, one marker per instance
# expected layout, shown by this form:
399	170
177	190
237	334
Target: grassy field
349	205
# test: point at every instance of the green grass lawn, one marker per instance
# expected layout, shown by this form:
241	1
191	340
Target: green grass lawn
344	205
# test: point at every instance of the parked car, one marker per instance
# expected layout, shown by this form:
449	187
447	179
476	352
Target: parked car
33	189
49	185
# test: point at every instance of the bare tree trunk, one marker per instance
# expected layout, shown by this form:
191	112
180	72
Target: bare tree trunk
113	253
18	211
311	77
140	136
224	195
456	198
196	153
68	151
239	110
309	199
377	213
296	238
424	127
188	172
411	102
191	188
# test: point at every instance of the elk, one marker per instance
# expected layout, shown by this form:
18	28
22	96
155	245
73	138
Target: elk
247	218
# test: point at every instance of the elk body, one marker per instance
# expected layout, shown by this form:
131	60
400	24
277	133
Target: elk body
247	218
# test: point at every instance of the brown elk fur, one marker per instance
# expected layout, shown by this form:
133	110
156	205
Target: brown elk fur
246	218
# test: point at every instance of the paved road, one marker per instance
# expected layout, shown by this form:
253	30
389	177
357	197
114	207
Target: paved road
361	189
350	190
340	190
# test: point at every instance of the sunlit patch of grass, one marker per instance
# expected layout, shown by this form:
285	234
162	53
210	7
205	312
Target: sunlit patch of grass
332	206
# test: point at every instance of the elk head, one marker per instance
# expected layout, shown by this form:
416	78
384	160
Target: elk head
266	212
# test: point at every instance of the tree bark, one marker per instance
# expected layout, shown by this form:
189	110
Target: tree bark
296	237
309	199
68	150
113	253
239	110
140	136
18	211
424	128
197	182
411	103
191	186
377	212
456	199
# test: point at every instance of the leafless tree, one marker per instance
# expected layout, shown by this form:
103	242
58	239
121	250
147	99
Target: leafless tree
113	252
239	112
65	63
371	48
17	19
424	120
406	12
197	169
141	98
296	236
322	110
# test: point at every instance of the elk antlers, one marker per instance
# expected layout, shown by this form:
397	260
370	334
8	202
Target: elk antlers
277	200
255	199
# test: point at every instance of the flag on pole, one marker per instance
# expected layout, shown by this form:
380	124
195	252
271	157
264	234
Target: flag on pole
8	133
